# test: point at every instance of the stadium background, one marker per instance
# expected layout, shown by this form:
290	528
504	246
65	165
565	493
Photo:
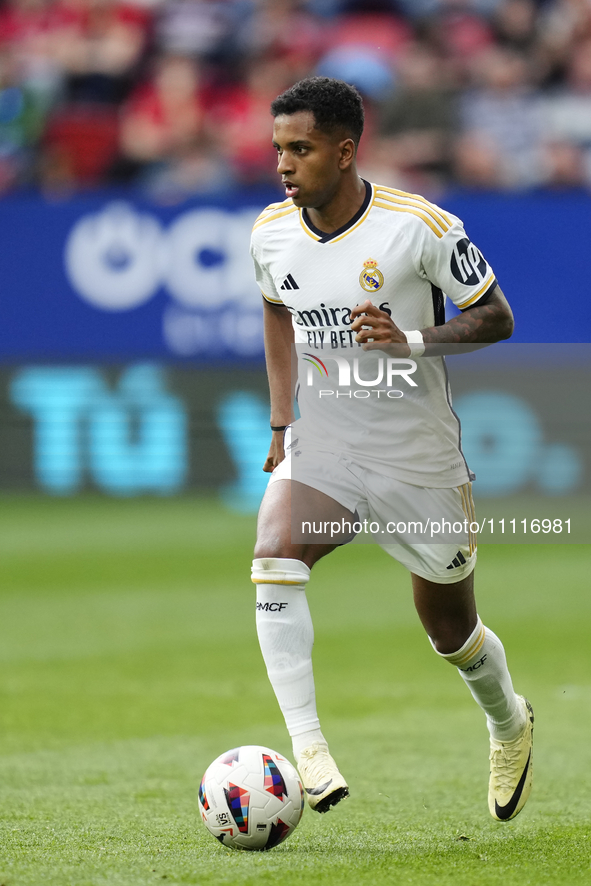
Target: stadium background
134	155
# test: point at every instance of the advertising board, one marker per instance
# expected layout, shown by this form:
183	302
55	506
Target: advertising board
111	279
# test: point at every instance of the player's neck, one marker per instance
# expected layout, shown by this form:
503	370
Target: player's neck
341	209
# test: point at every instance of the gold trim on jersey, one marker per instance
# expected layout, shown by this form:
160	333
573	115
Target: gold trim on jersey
273	301
416	212
307	229
356	225
417	199
469	512
473	298
345	233
273	217
423	207
272	207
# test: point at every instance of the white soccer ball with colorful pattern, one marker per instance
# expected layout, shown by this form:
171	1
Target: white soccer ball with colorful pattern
251	798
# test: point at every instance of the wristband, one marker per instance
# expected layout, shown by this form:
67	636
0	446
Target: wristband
279	428
415	342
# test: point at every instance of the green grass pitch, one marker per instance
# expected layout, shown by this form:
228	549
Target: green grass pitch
129	660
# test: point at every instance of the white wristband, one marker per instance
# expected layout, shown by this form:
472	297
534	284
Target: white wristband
415	341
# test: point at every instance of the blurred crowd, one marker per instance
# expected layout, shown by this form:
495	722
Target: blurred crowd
172	96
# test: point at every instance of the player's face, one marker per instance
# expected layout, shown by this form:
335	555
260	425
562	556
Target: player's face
309	161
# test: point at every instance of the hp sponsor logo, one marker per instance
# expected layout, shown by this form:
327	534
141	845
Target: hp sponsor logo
467	263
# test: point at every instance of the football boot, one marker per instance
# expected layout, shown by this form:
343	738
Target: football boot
323	783
511	771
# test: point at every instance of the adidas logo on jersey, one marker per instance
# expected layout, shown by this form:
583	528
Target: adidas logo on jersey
289	283
458	560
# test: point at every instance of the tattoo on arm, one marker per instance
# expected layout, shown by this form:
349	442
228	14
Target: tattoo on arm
482	324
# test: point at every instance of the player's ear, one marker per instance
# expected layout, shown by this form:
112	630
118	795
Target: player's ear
347	149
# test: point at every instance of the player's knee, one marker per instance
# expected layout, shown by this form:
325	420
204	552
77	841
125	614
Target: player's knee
450	635
276	547
446	645
263	550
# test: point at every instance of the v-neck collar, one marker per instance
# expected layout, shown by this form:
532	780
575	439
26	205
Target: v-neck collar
322	236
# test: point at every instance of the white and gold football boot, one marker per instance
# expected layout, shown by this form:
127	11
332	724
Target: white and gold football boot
323	783
511	771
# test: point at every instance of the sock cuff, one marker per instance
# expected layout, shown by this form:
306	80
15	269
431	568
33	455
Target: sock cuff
471	647
276	571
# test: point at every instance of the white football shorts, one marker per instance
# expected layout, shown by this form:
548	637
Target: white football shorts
425	529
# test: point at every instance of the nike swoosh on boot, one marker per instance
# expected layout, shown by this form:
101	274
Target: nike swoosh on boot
506	811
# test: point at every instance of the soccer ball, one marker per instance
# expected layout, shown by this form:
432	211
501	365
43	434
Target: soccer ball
251	798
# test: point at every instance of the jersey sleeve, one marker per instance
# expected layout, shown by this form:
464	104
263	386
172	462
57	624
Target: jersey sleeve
262	275
450	261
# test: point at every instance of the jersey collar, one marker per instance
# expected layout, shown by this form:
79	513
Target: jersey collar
359	216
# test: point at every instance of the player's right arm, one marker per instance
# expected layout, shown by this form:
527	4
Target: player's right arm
279	337
278	354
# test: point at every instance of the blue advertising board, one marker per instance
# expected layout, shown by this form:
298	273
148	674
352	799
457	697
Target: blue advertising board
145	428
108	278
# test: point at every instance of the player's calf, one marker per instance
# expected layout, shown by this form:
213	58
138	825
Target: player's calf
482	664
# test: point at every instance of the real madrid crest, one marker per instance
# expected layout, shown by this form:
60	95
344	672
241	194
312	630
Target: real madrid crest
371	278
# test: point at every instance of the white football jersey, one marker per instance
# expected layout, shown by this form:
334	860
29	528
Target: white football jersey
406	255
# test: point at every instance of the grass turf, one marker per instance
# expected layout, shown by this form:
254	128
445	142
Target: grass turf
128	661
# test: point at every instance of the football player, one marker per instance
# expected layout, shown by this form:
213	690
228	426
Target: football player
354	278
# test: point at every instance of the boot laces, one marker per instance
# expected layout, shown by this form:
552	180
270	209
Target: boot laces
505	767
316	762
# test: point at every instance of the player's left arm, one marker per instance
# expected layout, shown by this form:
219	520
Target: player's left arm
479	324
443	255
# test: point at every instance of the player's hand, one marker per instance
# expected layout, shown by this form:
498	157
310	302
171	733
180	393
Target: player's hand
376	330
276	452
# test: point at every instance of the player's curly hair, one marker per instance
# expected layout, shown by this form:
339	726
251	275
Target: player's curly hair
336	105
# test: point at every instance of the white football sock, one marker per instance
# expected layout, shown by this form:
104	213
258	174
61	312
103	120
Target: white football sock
286	637
481	662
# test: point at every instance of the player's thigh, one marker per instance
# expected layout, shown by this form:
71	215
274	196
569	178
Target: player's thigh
308	508
426	529
287	504
442	571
